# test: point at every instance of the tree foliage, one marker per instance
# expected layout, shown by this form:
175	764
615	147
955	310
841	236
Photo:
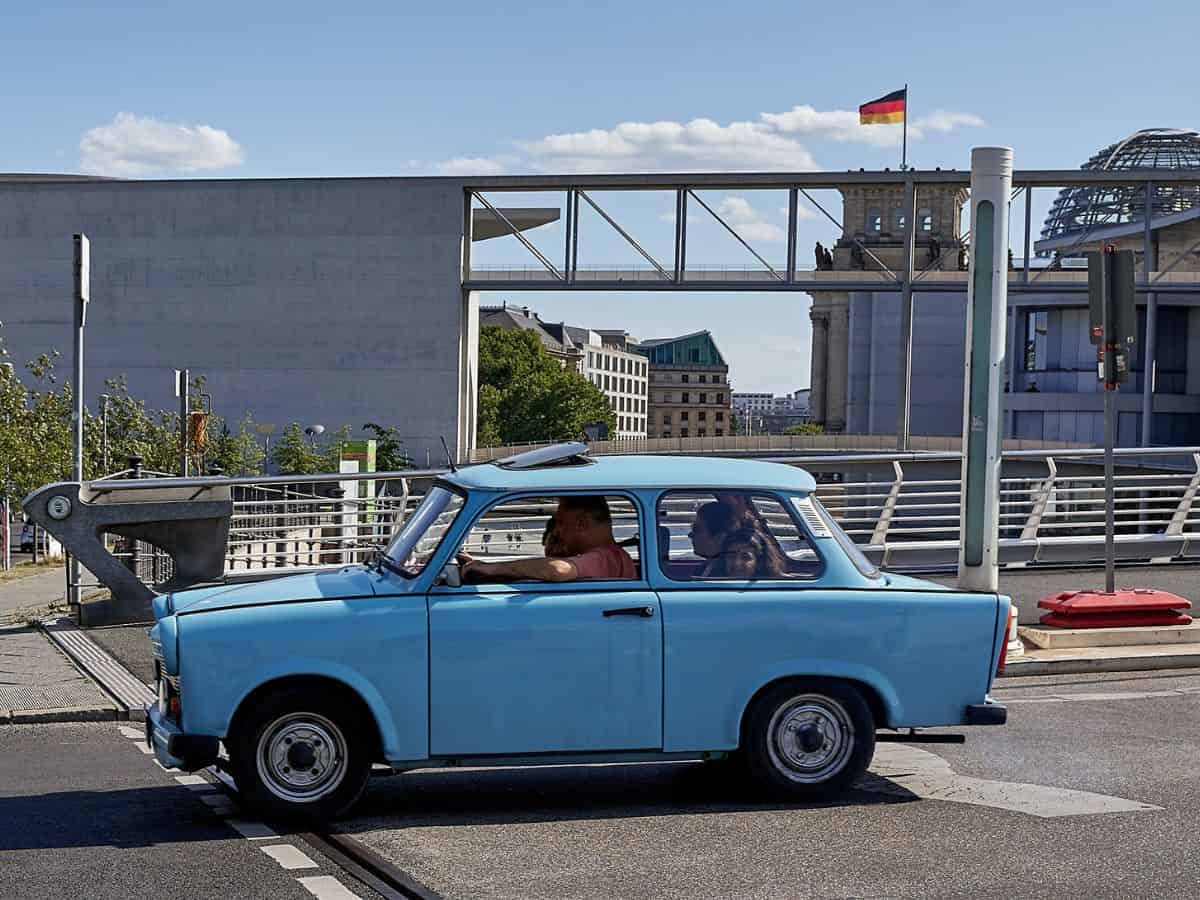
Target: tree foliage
390	455
805	428
525	395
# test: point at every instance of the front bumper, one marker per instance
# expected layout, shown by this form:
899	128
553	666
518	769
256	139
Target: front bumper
173	748
987	713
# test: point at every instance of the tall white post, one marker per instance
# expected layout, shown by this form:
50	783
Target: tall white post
82	293
983	415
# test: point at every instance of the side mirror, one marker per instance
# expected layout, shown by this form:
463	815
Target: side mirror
451	575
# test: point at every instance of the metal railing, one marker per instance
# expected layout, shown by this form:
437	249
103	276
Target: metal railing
901	508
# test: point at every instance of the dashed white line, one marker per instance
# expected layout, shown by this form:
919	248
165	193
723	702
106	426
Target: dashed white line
195	783
326	887
134	734
288	856
253	831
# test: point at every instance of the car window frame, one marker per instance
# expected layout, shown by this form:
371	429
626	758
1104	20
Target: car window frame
583	585
451	488
797	582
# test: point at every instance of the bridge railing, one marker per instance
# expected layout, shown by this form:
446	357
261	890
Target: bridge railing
902	509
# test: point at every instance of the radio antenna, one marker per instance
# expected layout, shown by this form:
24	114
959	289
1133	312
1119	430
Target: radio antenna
449	458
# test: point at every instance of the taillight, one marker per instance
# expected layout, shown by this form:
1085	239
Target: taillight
1008	628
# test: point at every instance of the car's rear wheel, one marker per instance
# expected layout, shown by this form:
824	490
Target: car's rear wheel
808	739
301	754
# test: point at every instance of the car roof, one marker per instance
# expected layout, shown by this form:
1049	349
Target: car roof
635	472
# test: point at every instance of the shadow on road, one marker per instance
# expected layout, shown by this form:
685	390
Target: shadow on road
433	798
133	817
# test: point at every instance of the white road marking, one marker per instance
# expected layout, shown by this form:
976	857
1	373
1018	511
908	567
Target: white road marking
251	831
134	734
326	887
930	777
1097	696
195	783
288	856
149	751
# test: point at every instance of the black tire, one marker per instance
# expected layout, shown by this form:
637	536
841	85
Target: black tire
323	743
785	725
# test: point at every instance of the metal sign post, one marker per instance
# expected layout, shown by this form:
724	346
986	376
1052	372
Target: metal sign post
82	293
182	377
1113	326
987	302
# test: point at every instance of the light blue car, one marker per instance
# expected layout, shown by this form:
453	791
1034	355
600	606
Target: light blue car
752	628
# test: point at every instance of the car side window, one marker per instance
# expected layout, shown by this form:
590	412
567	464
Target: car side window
524	527
732	536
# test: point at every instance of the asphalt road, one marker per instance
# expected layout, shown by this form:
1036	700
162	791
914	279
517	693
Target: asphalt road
84	813
685	831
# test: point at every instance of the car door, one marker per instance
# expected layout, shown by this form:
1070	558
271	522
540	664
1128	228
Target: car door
542	668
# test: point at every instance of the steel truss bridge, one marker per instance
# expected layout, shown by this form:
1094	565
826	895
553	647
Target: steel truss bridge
563	272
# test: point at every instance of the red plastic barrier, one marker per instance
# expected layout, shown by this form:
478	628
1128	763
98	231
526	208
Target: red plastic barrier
1096	609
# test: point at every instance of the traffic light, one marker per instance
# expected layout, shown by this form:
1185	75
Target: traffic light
1112	312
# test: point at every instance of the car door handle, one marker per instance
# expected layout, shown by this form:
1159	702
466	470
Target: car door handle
646	612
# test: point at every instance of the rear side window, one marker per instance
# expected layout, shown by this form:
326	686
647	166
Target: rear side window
732	536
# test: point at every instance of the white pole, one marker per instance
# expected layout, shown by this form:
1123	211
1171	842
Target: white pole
83	282
987	302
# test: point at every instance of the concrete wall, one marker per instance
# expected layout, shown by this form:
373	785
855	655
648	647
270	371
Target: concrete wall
939	330
316	300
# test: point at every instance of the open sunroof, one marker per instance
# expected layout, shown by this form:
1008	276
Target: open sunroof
573	453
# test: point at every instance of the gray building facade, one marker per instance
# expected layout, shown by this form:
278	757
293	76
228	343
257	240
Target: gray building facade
332	301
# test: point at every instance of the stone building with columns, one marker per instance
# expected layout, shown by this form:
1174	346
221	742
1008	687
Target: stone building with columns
1052	393
850	329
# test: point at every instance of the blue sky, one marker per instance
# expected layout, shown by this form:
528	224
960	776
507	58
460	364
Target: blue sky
294	89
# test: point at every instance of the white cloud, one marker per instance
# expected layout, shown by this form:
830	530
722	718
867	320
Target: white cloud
770	143
748	221
941	120
132	146
470	165
695	146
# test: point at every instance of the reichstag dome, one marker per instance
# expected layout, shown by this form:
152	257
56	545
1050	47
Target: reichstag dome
1079	210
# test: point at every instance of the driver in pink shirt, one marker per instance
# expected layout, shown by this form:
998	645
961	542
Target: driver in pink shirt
584	526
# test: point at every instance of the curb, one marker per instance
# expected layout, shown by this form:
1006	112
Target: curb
1084	665
129	694
63	714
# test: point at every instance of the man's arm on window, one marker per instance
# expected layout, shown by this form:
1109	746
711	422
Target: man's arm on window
535	568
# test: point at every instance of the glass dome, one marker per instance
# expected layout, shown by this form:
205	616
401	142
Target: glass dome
1079	210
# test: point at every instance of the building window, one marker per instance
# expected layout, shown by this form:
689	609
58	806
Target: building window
666	434
683	416
1037	328
925	220
643	404
721	398
684	397
606	383
720	432
666	419
703	379
702	432
720	418
683	378
683	432
703	416
874	220
898	219
704	398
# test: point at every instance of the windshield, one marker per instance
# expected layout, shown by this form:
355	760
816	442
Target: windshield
415	543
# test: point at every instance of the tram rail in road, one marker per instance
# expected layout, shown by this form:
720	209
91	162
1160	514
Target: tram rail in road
356	859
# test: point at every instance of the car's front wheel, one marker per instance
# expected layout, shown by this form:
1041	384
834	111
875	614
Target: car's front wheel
808	739
301	754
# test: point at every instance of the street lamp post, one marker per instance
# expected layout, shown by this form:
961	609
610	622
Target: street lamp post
83	282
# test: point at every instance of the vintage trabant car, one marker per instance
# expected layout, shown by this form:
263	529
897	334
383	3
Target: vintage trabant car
736	620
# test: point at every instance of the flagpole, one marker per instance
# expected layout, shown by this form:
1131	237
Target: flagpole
904	145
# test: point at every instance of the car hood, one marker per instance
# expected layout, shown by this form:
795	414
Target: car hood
351	581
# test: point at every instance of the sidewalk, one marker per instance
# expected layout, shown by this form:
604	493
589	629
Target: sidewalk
40	684
33	591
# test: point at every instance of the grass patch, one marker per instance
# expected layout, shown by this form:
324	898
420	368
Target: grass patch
27	569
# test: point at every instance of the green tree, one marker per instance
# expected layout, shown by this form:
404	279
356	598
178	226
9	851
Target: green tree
390	455
805	428
331	456
293	454
236	454
525	395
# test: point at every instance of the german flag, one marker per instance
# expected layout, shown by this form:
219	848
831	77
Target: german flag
885	110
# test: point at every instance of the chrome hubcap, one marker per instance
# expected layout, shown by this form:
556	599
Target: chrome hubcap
810	738
301	757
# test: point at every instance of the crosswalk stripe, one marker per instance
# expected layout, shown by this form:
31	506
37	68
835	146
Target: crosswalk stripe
288	856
